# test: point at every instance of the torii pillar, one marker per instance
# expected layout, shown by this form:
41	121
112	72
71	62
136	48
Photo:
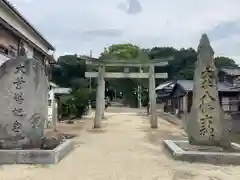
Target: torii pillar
152	98
103	99
100	97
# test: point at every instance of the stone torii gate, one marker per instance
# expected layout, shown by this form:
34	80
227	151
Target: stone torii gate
101	75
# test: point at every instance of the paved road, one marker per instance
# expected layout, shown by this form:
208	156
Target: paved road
125	149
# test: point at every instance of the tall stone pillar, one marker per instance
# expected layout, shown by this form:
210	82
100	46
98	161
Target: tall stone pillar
103	99
152	98
100	95
207	124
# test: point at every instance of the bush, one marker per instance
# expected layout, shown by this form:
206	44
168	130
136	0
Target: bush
75	104
65	106
80	101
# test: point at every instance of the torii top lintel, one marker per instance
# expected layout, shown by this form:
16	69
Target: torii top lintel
128	63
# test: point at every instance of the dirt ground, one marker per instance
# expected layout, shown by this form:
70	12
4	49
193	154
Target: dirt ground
124	149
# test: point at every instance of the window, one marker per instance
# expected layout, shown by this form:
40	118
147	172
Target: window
38	55
12	52
49	102
3	50
233	103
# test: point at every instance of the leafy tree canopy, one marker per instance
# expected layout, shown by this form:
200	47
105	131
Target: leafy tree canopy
121	51
70	69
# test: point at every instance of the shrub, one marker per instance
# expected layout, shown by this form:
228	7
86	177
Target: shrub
80	101
75	104
65	106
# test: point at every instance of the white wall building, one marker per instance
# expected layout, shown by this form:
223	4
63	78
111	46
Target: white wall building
53	90
17	32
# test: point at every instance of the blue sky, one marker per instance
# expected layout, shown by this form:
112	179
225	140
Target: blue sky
76	26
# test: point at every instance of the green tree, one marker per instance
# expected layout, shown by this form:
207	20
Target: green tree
126	52
121	51
69	71
75	104
225	62
183	64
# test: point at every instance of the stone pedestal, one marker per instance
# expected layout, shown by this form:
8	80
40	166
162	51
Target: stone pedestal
183	151
37	156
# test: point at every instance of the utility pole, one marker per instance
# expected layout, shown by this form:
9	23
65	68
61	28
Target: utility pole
90	80
90	84
139	91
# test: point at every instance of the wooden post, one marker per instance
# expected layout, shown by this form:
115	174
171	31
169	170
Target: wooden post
54	115
99	103
152	97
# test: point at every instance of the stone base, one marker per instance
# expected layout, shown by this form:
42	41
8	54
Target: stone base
183	151
38	156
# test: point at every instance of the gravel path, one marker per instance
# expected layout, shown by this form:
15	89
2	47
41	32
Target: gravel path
125	149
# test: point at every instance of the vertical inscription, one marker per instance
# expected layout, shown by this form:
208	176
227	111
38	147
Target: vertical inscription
206	121
35	120
207	78
16	126
19	82
20	69
18	112
18	97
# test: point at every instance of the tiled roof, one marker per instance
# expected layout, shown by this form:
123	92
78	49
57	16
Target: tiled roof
169	84
232	72
188	86
17	13
222	87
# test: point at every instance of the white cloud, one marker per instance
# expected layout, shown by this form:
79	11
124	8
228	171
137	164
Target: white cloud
161	22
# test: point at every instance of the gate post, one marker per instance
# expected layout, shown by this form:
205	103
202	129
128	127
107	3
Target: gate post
100	95
54	115
152	98
103	99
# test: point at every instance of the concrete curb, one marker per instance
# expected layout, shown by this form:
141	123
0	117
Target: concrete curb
218	158
9	156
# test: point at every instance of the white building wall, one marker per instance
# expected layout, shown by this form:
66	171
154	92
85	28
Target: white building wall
15	22
51	96
185	103
50	105
225	103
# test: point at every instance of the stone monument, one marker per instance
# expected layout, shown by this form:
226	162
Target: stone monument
23	92
24	110
206	124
